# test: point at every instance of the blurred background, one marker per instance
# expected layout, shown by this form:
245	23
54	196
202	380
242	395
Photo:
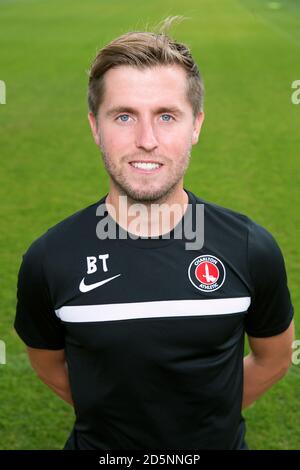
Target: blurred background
247	159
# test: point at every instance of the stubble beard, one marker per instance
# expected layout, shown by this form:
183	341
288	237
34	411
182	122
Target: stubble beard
148	195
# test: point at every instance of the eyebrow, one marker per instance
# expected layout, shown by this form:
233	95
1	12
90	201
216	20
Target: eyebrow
128	109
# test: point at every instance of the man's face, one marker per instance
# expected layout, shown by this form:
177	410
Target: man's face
145	130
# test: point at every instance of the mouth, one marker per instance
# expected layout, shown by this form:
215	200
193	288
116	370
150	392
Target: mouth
145	166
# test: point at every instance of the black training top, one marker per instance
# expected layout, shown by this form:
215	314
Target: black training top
153	332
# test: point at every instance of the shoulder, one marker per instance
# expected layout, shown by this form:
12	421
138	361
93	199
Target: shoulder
64	231
216	210
260	242
265	256
256	231
230	223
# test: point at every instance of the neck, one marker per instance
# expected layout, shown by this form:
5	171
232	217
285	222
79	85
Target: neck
147	219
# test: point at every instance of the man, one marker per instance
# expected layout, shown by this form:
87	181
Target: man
144	337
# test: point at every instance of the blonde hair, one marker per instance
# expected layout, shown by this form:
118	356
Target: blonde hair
143	49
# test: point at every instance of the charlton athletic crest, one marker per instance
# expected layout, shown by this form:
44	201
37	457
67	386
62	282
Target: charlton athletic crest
207	273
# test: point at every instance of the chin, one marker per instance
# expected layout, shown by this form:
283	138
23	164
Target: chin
145	196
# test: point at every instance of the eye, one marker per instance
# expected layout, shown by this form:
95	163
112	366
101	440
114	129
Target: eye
123	118
168	116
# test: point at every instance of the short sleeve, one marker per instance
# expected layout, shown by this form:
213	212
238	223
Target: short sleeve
271	309
35	320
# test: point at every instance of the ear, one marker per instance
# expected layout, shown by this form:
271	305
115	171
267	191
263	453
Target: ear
197	127
94	127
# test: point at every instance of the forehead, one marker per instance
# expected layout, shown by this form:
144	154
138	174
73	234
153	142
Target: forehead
144	86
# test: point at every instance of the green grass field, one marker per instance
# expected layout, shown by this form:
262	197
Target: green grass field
247	159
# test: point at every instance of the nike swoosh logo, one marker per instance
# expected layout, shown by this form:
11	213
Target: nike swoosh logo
86	288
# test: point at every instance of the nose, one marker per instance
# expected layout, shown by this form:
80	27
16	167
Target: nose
145	135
